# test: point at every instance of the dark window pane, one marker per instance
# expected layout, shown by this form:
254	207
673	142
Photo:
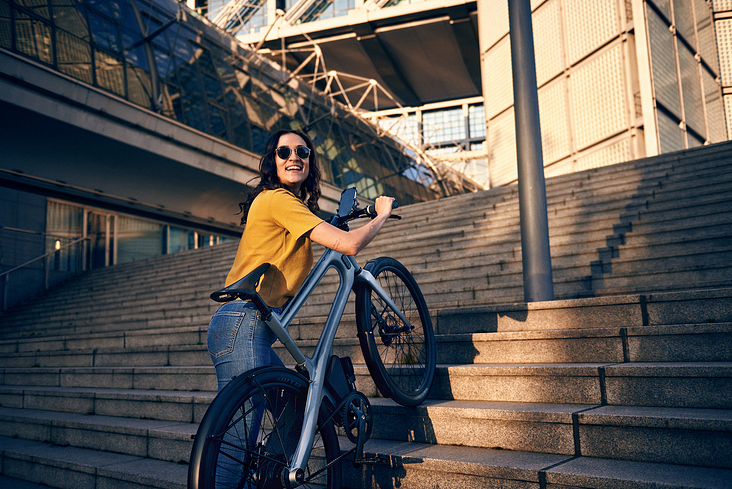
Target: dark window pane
73	56
110	72
33	37
6	38
104	33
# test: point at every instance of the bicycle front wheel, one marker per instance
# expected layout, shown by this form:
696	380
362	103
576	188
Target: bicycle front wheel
400	357
249	434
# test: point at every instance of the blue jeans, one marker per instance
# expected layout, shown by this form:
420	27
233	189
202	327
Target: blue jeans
238	340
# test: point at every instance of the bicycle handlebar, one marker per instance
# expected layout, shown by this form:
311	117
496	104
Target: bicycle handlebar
368	211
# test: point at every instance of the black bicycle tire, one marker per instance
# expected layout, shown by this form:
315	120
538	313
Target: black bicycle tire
222	411
409	298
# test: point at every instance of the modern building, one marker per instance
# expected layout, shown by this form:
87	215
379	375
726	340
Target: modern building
617	79
133	128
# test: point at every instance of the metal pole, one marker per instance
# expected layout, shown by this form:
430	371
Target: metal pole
537	266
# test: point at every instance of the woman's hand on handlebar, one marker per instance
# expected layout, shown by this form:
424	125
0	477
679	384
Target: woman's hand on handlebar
384	205
351	242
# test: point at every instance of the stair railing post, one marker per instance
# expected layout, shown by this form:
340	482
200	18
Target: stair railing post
536	256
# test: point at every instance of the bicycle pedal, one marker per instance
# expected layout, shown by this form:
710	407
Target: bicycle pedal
372	459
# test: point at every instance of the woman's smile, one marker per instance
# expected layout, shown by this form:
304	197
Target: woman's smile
293	170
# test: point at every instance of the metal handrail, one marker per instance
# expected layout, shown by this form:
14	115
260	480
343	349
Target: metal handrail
46	255
4	275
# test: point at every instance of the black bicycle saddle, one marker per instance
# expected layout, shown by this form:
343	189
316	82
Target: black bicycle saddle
244	288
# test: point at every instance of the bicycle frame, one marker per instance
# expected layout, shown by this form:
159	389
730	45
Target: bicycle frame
350	273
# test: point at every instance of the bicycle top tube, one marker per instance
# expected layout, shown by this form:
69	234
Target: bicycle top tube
347	269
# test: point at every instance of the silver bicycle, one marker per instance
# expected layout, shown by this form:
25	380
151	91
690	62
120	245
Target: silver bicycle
275	427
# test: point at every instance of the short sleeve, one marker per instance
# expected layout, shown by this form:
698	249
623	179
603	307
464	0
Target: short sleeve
291	213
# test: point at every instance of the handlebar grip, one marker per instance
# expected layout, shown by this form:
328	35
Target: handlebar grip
371	211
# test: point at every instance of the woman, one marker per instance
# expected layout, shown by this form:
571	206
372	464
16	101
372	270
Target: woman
280	225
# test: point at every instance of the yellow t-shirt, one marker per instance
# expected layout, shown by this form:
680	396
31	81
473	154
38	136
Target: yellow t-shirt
276	233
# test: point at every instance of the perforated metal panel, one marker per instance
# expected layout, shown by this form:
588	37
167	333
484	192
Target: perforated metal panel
670	134
715	111
663	63
559	168
663	6
554	120
722	5
693	142
609	155
589	25
684	20
493	23
502	149
724	43
598	100
705	33
691	90
498	79
548	49
728	112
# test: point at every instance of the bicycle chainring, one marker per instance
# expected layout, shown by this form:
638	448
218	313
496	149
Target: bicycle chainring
354	407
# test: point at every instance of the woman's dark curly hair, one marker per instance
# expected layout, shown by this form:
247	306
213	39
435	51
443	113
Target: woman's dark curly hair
268	179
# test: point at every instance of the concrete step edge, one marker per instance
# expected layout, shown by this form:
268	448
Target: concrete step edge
66	467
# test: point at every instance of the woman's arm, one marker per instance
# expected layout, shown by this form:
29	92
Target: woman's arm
351	242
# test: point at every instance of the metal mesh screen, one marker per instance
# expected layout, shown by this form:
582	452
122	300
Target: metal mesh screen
597	96
554	120
548	49
663	63
498	79
609	155
670	134
502	149
691	90
589	25
715	111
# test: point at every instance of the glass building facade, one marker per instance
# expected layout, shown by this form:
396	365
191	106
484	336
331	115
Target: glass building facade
453	133
162	56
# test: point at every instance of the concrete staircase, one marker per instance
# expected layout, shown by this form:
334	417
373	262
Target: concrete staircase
624	381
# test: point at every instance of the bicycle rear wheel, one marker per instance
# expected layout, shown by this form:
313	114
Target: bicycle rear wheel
249	434
400	357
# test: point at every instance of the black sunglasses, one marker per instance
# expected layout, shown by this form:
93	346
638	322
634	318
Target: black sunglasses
302	152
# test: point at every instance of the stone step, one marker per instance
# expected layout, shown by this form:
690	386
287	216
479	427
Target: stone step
559	273
67	467
413	465
636	177
160	345
712	265
565	212
644	384
586	199
699	437
501	286
168	441
603	333
594	430
416	465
